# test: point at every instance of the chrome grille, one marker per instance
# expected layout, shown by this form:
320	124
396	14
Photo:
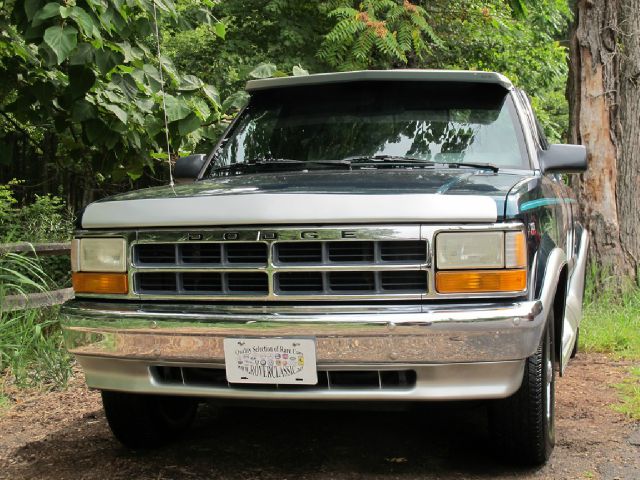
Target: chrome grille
282	264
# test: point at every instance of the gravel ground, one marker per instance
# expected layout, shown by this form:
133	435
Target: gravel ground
63	435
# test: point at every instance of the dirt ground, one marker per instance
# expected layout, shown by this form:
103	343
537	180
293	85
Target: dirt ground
63	435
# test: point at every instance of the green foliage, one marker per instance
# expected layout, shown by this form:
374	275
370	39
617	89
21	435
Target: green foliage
630	394
31	349
377	34
87	71
611	320
47	219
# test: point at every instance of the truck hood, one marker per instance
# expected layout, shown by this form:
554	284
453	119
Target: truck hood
360	196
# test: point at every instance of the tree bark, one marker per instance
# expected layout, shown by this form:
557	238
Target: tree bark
604	98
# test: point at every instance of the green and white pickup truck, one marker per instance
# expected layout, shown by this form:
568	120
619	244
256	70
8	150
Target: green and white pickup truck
361	236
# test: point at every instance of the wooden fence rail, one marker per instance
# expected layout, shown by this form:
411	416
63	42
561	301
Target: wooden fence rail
36	248
12	303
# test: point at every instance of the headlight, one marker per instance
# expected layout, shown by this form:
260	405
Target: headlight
481	262
99	255
99	265
470	250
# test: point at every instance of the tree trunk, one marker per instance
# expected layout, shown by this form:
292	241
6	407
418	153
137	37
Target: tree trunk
604	97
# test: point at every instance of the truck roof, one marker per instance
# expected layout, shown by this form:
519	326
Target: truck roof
408	75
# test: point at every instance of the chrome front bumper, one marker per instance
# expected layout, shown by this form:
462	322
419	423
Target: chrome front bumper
457	352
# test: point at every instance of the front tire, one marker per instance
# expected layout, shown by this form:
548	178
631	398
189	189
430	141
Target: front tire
523	425
147	421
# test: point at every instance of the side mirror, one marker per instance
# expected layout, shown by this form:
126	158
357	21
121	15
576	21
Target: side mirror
564	159
187	168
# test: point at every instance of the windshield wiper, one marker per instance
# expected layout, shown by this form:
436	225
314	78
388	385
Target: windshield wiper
385	159
279	163
483	166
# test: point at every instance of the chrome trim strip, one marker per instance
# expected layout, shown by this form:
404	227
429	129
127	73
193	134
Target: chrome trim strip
463	381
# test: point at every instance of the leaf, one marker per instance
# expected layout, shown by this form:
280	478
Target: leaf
62	40
170	69
145	104
200	107
82	55
134	172
298	71
81	80
126	84
117	111
84	21
83	110
31	7
130	54
236	100
264	70
212	94
190	83
177	108
106	60
151	72
189	124
220	30
50	10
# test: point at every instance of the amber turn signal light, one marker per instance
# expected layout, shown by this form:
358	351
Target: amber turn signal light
481	281
100	282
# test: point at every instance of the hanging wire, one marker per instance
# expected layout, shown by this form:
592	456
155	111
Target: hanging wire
164	105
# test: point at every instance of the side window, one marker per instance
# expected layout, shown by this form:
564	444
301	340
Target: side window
534	123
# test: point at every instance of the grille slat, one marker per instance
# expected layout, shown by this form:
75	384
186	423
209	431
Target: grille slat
299	252
255	253
160	253
351	251
352	281
202	283
206	253
403	251
404	281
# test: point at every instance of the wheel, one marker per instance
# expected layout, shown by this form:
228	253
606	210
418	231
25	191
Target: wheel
147	421
574	352
523	425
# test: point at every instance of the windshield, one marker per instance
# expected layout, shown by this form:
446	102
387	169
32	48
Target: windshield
429	122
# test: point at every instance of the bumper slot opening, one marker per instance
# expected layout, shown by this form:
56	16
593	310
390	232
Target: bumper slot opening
327	379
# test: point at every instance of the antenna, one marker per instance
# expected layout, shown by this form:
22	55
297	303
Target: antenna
164	104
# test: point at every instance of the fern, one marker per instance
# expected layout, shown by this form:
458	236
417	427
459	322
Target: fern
375	32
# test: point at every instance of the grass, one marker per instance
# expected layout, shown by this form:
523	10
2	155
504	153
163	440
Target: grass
611	321
611	324
31	349
630	394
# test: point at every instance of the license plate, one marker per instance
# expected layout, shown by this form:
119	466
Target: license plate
283	361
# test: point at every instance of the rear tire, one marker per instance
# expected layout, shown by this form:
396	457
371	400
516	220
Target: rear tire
523	425
147	421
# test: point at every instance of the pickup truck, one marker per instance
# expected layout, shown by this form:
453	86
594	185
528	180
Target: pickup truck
362	236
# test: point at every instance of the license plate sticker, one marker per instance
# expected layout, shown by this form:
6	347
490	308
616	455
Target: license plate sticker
283	361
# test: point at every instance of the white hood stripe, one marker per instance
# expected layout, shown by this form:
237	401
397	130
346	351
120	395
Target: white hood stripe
288	209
